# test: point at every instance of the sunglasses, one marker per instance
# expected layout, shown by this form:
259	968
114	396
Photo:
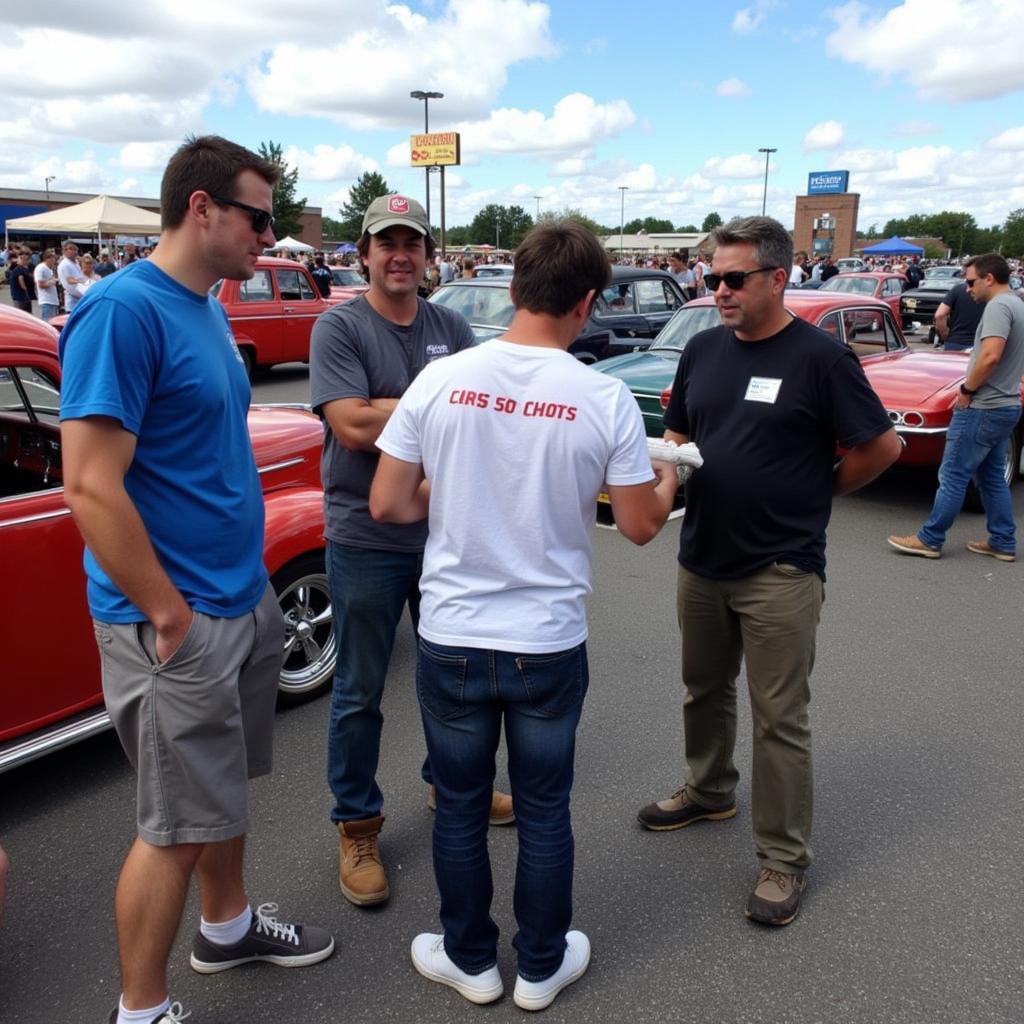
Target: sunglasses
261	220
971	281
734	279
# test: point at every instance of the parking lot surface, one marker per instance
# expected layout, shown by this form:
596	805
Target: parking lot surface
911	911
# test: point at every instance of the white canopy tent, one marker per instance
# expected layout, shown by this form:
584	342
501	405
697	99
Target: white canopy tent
292	245
99	216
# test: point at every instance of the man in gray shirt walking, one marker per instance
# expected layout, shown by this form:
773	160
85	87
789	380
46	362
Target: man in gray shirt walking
985	418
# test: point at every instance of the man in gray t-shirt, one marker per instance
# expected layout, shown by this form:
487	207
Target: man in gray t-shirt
363	356
984	432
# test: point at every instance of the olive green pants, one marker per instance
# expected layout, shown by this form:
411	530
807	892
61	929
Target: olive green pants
770	620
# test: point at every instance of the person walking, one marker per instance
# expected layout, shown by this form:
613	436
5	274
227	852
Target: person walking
160	476
767	398
985	415
363	356
503	626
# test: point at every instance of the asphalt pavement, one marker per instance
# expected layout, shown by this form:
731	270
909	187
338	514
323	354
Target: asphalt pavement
912	913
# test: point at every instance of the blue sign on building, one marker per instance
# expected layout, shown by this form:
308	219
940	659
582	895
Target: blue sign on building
824	182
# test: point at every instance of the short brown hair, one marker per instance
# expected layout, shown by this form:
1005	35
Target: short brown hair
211	164
991	263
556	265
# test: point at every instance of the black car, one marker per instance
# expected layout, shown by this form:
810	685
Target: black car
626	317
920	303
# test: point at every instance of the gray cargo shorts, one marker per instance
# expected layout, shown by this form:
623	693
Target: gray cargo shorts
198	726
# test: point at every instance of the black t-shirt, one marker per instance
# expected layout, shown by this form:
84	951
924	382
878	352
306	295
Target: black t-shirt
767	416
322	276
964	316
23	284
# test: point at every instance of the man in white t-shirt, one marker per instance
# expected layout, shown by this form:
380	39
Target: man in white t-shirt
797	276
71	277
46	285
505	447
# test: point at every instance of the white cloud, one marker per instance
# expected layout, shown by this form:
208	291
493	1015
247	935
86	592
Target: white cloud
750	19
826	135
947	49
1012	139
742	165
733	88
329	163
144	156
915	127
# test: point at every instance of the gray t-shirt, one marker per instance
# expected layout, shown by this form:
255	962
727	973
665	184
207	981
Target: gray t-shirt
356	353
1002	317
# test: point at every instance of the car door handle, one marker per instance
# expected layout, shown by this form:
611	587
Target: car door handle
289	309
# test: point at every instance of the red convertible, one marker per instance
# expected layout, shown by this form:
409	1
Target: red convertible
50	677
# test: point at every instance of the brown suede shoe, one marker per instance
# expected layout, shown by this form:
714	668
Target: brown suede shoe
360	870
678	811
913	545
982	547
776	897
502	811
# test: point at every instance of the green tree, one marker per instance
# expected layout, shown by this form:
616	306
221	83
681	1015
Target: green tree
711	221
957	229
577	215
287	209
503	226
687	229
1013	234
369	186
333	229
989	240
657	225
632	227
872	232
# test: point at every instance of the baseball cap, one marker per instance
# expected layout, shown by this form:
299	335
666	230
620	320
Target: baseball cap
395	211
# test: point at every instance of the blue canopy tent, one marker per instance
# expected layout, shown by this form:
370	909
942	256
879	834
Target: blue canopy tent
346	247
894	246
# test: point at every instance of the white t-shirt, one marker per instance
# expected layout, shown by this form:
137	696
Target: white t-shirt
516	442
46	285
66	270
796	274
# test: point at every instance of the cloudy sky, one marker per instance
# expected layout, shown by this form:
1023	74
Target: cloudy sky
920	100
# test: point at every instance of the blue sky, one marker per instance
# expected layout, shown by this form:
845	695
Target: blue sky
920	100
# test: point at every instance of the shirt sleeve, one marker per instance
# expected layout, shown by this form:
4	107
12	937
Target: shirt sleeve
336	367
858	415
676	418
996	321
400	437
629	462
108	362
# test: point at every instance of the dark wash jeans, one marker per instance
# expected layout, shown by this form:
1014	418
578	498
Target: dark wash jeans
369	590
464	694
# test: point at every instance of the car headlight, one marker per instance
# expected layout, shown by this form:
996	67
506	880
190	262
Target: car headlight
911	418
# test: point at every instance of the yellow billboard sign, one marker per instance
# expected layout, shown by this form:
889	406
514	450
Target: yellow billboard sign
434	149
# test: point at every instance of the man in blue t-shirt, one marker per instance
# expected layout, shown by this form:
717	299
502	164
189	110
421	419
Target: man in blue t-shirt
767	398
160	476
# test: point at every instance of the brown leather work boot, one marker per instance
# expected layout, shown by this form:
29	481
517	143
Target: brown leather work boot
360	870
502	811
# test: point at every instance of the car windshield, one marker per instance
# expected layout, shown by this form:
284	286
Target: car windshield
346	276
479	305
942	272
690	320
850	285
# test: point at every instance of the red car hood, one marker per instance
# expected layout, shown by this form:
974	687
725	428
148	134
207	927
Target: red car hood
907	381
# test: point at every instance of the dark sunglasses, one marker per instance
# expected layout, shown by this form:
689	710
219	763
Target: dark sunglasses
971	281
261	220
734	279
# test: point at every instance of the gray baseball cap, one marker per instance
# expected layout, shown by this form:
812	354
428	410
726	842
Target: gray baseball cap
395	211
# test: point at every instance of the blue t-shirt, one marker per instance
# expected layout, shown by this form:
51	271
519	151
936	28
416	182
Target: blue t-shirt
148	352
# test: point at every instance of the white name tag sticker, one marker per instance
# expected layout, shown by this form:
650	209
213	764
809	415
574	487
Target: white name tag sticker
763	389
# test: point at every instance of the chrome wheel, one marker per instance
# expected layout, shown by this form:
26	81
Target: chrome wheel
310	648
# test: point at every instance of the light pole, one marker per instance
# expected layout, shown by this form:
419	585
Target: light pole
420	94
767	156
497	230
623	189
49	178
538	208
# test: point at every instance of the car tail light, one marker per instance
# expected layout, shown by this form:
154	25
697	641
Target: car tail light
665	396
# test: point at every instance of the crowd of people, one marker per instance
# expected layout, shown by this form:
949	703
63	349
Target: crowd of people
191	634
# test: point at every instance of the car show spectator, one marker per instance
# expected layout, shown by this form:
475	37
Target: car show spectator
956	319
89	275
679	268
468	268
190	631
797	274
70	276
829	270
363	356
22	283
498	627
984	417
46	285
767	398
321	275
105	265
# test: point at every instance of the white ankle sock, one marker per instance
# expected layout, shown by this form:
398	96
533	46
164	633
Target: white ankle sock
140	1016
227	933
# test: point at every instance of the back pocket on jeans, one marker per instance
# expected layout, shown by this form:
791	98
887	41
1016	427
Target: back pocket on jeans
440	681
556	683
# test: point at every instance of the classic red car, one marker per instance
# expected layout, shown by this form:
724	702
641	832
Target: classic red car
918	389
874	283
50	677
272	314
347	283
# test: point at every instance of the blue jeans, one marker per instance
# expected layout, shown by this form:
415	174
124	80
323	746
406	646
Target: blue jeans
464	694
47	310
369	590
975	448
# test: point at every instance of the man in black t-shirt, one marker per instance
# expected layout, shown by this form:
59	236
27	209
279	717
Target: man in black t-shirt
766	398
23	285
957	319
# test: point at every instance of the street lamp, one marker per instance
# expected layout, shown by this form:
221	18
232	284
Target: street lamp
538	206
49	178
767	156
497	230
623	189
420	94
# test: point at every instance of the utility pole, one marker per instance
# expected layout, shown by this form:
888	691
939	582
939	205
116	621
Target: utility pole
623	189
767	156
420	94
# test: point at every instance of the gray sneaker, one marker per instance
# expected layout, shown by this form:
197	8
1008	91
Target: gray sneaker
269	941
776	897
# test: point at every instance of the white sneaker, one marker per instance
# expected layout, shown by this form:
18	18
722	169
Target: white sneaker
431	960
536	995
